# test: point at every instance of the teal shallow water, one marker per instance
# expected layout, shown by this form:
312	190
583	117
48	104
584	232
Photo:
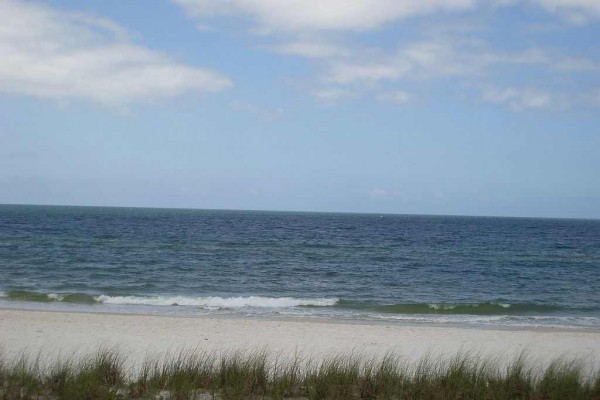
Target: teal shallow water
422	269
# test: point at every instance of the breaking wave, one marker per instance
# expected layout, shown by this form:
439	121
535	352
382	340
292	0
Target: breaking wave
332	304
203	302
220	302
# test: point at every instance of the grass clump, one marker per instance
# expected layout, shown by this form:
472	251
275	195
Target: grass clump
384	379
22	378
96	376
190	374
334	378
181	375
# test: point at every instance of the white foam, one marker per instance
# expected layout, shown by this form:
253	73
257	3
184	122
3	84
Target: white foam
219	302
55	297
442	306
453	306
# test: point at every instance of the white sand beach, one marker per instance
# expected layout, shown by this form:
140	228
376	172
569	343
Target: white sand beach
140	335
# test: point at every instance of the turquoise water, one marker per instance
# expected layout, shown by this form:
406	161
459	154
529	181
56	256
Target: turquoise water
394	268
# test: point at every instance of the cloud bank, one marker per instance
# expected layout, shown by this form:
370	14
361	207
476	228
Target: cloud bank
56	55
328	35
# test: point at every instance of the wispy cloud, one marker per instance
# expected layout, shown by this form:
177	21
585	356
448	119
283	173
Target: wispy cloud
577	11
259	112
52	54
519	99
398	97
309	49
328	34
318	15
361	15
469	62
418	60
447	57
329	95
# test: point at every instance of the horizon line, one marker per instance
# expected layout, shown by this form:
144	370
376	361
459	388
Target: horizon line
301	211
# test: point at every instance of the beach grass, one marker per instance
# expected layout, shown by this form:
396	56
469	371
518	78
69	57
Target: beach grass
190	374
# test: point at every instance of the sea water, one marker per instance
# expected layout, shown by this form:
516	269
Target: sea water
392	268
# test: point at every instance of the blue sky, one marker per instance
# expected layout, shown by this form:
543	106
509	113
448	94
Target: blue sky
417	106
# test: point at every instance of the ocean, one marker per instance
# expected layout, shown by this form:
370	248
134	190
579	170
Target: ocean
397	269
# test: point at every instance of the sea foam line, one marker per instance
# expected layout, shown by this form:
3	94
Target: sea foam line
219	302
436	306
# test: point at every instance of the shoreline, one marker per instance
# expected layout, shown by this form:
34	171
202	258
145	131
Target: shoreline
323	320
61	332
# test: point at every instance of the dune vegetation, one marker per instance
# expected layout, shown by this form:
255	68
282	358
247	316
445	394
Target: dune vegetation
189	374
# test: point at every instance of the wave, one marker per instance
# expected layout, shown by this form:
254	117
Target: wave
77	298
203	302
274	303
486	308
494	320
220	302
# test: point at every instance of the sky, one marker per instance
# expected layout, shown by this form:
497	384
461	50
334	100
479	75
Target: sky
465	107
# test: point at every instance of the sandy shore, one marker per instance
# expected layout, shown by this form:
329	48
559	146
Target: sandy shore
140	335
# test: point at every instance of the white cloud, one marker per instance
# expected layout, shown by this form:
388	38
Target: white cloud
576	64
360	15
313	29
398	97
419	60
314	15
527	98
330	95
558	62
309	49
578	11
350	72
436	58
468	62
50	54
519	99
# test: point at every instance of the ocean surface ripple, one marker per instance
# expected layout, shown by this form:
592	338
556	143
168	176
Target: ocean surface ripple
392	268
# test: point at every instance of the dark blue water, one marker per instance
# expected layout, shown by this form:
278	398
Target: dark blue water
430	269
